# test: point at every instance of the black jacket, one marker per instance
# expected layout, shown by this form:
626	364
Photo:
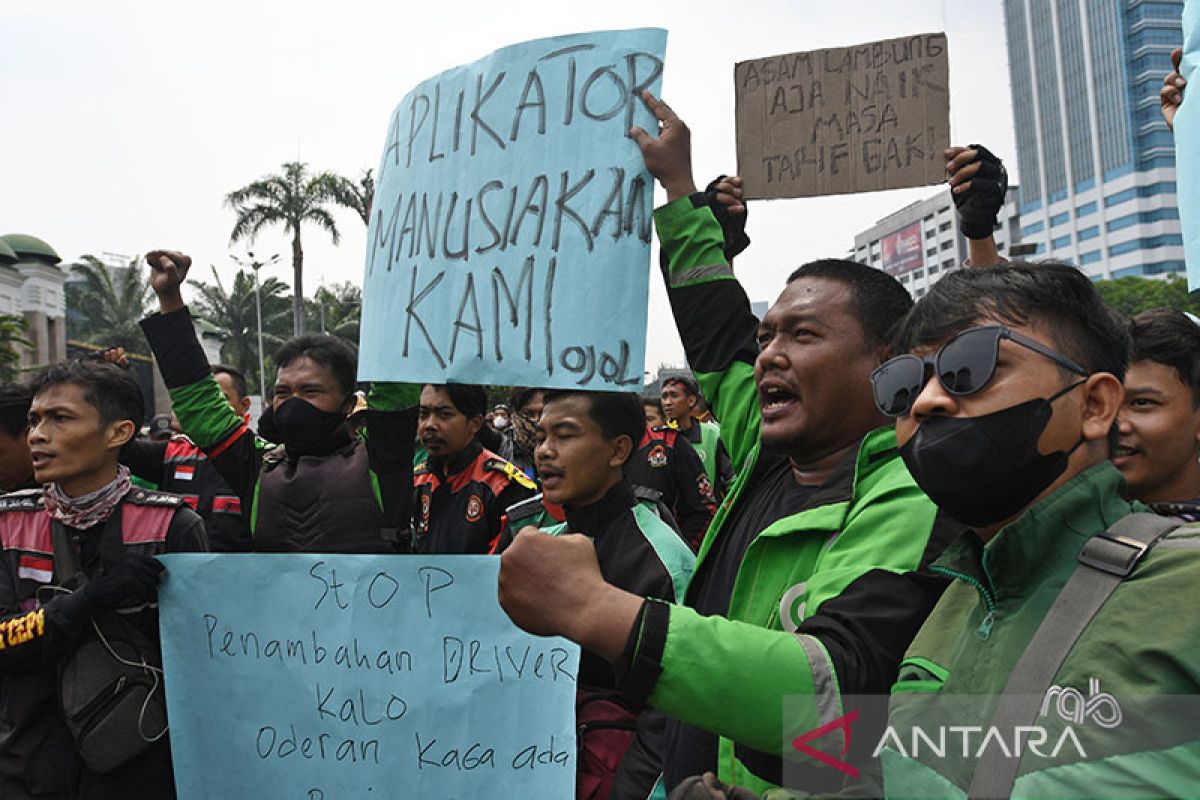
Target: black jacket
37	753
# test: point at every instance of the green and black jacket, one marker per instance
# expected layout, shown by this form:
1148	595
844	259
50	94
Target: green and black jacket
825	601
242	458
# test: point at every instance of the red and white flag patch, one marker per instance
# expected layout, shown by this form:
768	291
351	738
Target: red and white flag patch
35	568
184	472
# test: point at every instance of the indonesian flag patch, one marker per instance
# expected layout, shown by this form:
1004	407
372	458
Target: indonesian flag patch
36	568
184	472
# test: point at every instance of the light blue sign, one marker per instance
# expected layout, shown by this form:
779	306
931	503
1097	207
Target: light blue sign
330	677
510	235
1187	145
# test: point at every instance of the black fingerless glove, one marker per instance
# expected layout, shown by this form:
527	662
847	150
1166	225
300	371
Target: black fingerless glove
979	207
733	226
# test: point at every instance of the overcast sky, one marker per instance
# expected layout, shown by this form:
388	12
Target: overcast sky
126	123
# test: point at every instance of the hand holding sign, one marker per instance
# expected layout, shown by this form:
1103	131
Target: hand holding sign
669	157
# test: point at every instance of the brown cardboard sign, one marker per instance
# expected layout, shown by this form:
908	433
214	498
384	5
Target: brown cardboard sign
847	119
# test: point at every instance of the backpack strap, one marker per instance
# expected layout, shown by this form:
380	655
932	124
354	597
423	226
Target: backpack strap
1106	559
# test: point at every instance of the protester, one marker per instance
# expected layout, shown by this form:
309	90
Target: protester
584	441
1158	451
1171	95
655	416
317	491
680	396
16	471
175	464
519	437
1013	437
666	463
87	519
462	491
810	580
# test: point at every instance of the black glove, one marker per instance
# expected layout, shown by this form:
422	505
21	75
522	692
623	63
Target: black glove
979	206
134	580
732	226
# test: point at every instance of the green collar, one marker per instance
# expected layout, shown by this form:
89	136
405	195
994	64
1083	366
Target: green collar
1047	538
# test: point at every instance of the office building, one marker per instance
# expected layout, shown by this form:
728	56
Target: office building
921	242
1097	162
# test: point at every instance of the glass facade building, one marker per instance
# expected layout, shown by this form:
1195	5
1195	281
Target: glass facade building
1096	160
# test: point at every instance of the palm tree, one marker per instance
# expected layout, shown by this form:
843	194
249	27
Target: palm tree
357	195
12	336
233	313
109	302
290	199
339	308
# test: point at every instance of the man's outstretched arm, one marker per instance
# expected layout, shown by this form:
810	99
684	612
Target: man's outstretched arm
203	412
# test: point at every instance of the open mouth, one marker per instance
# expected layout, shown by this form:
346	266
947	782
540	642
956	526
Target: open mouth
40	460
775	400
550	476
1123	453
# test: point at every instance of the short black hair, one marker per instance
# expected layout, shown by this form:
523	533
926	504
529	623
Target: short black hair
654	401
617	413
690	387
879	299
1168	337
332	352
521	395
468	398
1051	294
14	407
109	389
236	375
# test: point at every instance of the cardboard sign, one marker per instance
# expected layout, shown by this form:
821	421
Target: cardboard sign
849	119
510	237
329	676
1187	140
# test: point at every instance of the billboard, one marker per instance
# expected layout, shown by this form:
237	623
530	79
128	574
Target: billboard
901	251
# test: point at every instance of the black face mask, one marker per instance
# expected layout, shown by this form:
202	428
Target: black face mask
299	425
982	470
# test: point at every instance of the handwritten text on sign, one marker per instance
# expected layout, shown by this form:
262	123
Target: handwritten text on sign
849	119
510	236
326	676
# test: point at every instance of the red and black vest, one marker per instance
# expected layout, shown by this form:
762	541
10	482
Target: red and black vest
188	472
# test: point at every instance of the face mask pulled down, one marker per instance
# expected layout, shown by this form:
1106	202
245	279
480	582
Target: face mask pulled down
983	470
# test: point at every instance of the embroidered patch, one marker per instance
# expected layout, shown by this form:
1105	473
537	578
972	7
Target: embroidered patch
184	472
705	486
474	508
657	457
33	568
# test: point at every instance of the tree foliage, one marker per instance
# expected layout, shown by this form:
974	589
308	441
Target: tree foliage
110	301
290	199
233	312
357	195
1132	296
12	338
339	309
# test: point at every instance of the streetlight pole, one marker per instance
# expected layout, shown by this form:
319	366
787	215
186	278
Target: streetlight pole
256	265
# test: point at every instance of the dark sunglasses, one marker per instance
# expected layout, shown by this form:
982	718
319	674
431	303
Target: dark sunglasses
963	366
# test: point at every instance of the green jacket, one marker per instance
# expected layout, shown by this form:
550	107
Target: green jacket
869	525
1141	652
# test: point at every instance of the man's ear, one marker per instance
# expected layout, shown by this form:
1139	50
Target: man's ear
120	433
622	449
1102	398
245	406
475	424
